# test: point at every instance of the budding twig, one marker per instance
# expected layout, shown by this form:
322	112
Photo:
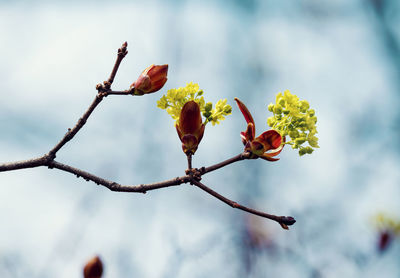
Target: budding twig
99	97
193	175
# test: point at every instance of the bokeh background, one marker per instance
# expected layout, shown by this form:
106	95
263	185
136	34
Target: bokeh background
342	56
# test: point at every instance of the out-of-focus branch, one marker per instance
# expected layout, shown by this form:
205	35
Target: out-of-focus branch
386	32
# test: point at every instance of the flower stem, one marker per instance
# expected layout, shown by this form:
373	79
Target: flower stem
189	159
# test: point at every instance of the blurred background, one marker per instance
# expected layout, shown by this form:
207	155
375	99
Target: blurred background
341	56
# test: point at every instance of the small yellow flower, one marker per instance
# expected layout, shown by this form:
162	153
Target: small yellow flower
175	99
294	118
388	228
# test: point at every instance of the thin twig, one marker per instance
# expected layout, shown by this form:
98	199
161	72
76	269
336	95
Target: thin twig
189	160
113	186
123	93
121	55
81	122
241	156
102	92
23	164
284	221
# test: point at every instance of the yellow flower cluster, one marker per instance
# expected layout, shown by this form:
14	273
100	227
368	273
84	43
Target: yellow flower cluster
294	118
385	222
174	100
218	113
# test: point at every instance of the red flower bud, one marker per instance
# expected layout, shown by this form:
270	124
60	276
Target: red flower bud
265	146
190	127
93	268
151	80
385	238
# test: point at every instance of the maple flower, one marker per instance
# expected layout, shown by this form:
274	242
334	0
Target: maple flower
190	127
186	105
294	118
151	80
265	146
174	100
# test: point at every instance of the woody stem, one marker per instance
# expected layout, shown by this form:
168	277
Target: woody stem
241	156
284	221
189	159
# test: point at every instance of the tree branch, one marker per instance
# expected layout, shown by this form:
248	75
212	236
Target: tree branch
193	175
102	92
30	163
284	221
241	156
113	186
123	93
122	52
81	122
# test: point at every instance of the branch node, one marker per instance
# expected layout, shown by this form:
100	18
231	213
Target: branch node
99	87
142	189
194	175
180	180
246	155
107	85
48	158
82	121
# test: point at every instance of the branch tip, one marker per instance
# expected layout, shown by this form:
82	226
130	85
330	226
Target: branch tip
288	220
122	51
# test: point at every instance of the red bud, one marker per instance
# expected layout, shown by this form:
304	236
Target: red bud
385	239
93	268
265	146
190	127
151	80
246	113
